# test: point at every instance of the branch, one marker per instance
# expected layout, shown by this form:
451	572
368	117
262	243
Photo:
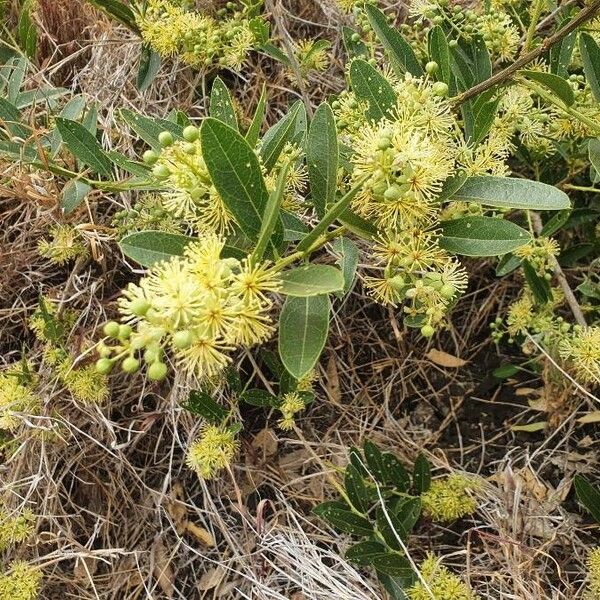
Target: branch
585	15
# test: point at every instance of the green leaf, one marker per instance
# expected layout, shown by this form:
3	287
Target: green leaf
356	489
354	48
202	404
150	247
394	472
594	154
440	53
421	475
236	173
149	129
221	105
505	371
10	118
274	52
84	145
303	329
26	31
135	168
369	85
348	261
588	495
363	553
374	459
590	56
395	586
117	10
530	427
481	236
260	398
277	136
148	69
556	222
294	228
400	52
507	264
559	86
408	511
311	280
343	520
391	528
562	52
483	119
73	195
253	132
539	286
322	156
358	226
510	192
392	563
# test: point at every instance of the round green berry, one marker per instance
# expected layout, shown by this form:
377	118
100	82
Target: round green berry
157	371
183	339
189	148
124	331
165	138
453	43
104	366
447	291
140	307
161	172
130	365
355	37
427	331
191	133
394	192
431	67
150	157
111	329
440	88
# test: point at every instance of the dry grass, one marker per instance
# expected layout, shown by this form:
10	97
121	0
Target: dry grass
122	518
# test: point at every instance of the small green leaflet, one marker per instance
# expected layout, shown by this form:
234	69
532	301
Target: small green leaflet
421	475
148	68
311	280
150	247
590	55
201	403
588	495
221	106
559	86
73	195
343	519
371	86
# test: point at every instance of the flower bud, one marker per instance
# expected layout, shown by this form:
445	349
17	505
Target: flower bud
130	365
111	329
427	331
165	138
104	366
440	88
150	157
431	67
140	307
124	332
161	172
183	339
191	133
157	371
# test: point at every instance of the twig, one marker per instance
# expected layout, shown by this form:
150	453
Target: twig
585	15
564	284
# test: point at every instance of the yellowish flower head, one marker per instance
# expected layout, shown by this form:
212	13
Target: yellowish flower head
212	451
290	406
15	527
22	582
593	565
582	350
65	244
450	498
17	401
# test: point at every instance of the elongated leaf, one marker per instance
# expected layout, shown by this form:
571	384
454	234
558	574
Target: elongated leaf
421	475
440	53
343	520
590	55
509	192
369	85
277	136
538	285
253	132
26	30
482	236
117	10
149	129
221	106
148	69
559	86
562	52
260	398
394	472
483	119
359	226
303	329
294	228
202	404
355	48
594	154
392	564
356	489
348	261
73	195
311	280
374	459
364	553
322	158
507	264
556	223
588	495
400	52
391	528
236	173
10	119
83	145
150	247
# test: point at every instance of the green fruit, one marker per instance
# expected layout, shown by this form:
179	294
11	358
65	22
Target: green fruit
393	192
140	307
104	366
427	331
161	172
447	291
440	88
183	339
189	148
150	157
453	43
355	37
130	365
157	371
111	329
432	67
165	138
191	133
124	332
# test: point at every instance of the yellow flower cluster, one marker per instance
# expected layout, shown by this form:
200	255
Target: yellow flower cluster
593	565
15	527
312	55
539	252
17	401
527	316
290	406
499	33
65	244
441	583
199	306
450	498
22	582
213	451
581	349
199	39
